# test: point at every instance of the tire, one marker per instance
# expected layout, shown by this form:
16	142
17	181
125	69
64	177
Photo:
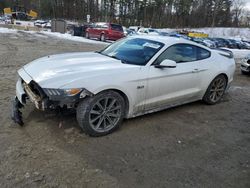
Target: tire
101	114
87	35
245	73
215	90
102	38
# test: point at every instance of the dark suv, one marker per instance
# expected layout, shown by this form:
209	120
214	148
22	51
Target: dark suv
105	31
80	30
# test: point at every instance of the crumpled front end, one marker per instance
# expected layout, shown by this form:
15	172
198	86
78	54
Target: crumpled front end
43	98
27	89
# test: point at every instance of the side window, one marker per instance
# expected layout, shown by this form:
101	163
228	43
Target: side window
181	53
98	25
101	25
105	26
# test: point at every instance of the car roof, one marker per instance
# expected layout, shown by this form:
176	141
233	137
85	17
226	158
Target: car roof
169	40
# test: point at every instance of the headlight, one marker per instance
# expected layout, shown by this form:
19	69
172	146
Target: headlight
62	92
72	92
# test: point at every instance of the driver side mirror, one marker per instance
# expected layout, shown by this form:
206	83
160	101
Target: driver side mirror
167	63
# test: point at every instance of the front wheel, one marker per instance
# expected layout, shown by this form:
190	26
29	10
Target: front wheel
101	114
215	90
245	73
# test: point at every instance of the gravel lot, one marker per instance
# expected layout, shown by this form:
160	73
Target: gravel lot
194	145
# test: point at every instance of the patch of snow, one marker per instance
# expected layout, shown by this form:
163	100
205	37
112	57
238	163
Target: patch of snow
41	35
73	38
6	30
44	34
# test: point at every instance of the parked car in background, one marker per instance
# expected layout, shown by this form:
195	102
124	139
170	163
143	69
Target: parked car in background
6	19
204	41
40	23
80	30
147	31
134	76
221	42
214	41
105	31
162	33
134	28
2	18
130	32
125	30
209	43
177	35
232	43
247	45
241	45
48	25
245	65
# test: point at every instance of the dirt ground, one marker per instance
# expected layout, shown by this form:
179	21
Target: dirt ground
194	145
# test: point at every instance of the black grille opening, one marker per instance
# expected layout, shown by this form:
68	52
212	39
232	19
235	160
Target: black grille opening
36	89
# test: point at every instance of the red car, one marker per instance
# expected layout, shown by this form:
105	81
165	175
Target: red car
105	31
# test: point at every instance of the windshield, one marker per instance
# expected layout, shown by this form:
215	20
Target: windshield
134	51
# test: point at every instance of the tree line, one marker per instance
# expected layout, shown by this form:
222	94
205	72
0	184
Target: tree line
148	13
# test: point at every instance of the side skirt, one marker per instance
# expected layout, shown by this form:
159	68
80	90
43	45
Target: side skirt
161	108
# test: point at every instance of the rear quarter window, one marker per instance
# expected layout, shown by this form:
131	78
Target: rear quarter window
116	27
202	53
102	25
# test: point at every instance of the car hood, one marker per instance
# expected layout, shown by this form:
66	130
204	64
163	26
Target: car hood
56	71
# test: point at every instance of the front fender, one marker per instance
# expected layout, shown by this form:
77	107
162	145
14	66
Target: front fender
120	89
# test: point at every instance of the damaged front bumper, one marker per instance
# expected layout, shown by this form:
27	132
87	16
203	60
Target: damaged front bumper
18	103
16	114
33	92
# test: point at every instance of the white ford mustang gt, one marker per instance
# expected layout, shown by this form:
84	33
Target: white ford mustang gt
131	77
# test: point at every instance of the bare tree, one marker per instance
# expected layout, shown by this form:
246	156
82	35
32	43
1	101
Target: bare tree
238	6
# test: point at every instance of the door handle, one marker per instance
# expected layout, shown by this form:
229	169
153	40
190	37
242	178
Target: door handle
195	71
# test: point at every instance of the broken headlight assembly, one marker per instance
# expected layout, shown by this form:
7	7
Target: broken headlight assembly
55	93
62	92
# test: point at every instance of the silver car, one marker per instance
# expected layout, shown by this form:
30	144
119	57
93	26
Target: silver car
245	65
131	77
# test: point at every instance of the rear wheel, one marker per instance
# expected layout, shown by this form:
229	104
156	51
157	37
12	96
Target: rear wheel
102	37
87	35
101	114
215	90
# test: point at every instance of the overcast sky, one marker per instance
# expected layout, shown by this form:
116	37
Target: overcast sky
247	4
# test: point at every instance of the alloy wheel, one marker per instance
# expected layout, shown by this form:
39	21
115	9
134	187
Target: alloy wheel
105	114
217	90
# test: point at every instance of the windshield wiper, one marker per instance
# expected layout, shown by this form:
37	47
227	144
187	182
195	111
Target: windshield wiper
114	57
122	60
